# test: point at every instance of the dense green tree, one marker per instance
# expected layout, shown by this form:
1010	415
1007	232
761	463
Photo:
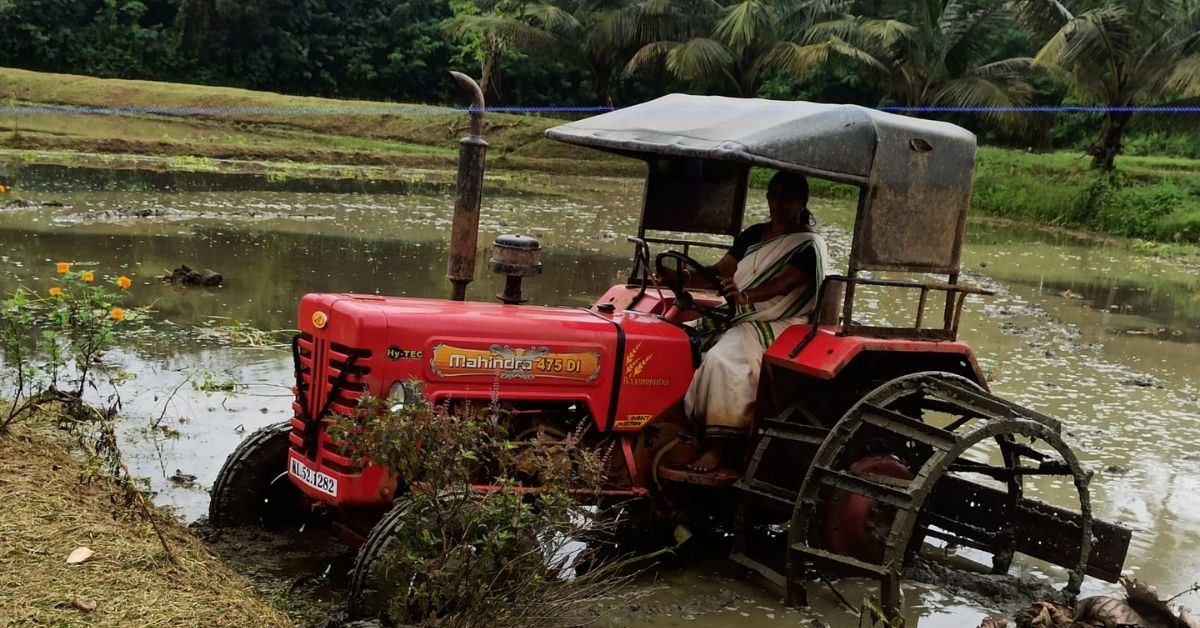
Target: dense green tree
1120	54
414	54
489	29
602	38
110	38
929	53
746	38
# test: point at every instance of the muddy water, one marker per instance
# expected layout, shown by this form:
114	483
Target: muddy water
1094	334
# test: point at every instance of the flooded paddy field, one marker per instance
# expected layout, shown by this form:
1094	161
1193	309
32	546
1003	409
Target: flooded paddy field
1090	332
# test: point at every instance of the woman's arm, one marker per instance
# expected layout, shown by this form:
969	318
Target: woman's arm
723	268
789	279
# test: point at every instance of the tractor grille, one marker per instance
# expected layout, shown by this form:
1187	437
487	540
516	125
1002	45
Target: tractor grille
329	379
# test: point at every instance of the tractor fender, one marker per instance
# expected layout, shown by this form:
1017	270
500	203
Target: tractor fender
827	354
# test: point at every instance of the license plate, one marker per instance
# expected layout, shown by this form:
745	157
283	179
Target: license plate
314	478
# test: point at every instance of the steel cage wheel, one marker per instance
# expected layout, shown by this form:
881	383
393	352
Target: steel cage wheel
984	418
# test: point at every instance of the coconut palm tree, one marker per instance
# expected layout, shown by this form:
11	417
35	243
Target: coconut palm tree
599	35
742	43
1120	54
928	54
492	27
606	33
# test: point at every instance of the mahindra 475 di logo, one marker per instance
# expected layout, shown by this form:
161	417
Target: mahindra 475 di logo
514	363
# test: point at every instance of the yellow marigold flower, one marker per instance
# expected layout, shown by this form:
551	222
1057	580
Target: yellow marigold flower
56	292
3	189
88	276
124	282
63	267
117	314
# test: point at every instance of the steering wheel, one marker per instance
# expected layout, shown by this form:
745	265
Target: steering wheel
683	299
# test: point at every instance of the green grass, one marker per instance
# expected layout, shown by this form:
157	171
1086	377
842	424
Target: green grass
1156	198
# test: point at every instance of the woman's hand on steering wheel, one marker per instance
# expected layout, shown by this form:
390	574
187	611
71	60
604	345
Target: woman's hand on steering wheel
732	293
677	284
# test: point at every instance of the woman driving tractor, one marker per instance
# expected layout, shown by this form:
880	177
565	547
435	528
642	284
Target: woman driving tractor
771	274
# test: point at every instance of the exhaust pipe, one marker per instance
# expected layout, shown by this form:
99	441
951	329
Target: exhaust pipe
464	232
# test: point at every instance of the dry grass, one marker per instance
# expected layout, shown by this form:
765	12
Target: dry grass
46	511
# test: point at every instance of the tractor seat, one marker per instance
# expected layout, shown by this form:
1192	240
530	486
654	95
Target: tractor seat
831	304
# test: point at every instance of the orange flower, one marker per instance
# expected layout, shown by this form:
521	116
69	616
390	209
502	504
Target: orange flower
117	314
56	291
63	267
88	276
124	282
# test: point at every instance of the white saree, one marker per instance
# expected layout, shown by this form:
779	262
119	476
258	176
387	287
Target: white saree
726	384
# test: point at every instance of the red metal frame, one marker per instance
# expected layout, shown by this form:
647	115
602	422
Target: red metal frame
627	367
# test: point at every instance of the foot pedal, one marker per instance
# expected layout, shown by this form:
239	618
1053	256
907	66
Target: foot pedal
716	477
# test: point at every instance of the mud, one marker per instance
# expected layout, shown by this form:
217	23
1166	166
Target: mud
1005	593
307	568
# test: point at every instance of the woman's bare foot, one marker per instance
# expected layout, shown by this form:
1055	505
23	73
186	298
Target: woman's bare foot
711	458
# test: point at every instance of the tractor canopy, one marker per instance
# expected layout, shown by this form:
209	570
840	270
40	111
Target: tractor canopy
914	175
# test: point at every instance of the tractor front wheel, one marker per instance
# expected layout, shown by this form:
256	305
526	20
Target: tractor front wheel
372	582
253	487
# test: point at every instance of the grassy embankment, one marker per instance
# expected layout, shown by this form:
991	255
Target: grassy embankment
1148	197
246	127
52	503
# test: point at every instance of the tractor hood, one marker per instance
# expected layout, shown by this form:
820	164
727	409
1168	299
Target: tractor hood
465	350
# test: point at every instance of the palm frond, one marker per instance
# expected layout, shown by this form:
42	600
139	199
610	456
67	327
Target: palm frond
650	53
976	91
656	7
550	17
858	55
847	28
1185	78
1098	35
961	35
747	23
699	58
889	33
1007	67
796	18
1043	17
671	19
798	59
520	34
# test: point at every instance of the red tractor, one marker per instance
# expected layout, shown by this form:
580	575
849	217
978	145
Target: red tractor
869	441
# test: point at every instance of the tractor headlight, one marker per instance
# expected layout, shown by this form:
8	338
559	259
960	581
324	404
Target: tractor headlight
400	394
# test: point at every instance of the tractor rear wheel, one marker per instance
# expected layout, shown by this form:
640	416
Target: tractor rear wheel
934	456
253	487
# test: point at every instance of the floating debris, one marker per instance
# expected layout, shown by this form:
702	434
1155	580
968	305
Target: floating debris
186	276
